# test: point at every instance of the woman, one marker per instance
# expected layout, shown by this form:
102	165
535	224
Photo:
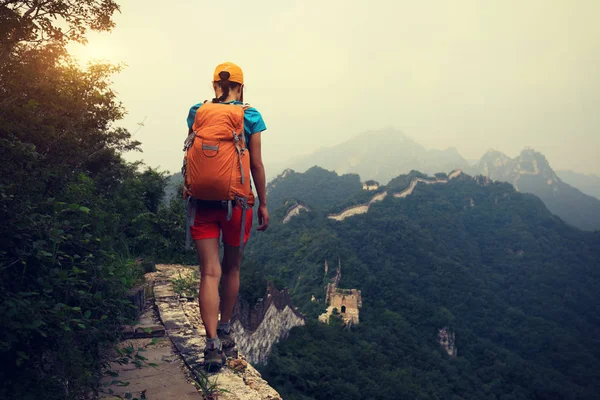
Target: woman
211	220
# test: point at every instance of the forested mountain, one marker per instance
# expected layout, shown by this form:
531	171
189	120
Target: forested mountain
530	172
384	154
77	219
514	283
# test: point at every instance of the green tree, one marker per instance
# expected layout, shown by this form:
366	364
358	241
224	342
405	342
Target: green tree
74	214
40	22
515	285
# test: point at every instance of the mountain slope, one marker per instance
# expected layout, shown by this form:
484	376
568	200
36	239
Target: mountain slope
588	184
379	155
514	283
316	187
530	172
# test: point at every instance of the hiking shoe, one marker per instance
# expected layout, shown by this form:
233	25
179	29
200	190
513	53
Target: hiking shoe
226	338
214	358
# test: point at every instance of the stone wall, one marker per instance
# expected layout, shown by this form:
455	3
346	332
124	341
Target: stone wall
346	301
256	329
359	209
294	211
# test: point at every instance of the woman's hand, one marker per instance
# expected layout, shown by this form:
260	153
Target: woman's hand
258	175
263	217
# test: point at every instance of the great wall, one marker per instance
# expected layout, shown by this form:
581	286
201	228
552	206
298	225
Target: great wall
364	208
345	302
258	328
294	211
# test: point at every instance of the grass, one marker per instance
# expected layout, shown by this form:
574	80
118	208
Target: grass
187	286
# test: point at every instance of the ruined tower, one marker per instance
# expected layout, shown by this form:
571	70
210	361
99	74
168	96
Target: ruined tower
346	301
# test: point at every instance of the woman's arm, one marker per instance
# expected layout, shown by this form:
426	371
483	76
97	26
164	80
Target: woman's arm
258	175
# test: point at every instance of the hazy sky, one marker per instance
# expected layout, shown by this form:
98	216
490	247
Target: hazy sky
472	74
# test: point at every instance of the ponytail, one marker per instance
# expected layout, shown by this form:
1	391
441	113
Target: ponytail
225	86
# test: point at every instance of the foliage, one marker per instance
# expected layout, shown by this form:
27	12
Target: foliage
174	188
209	390
253	283
56	22
126	355
317	188
75	216
187	286
402	182
514	283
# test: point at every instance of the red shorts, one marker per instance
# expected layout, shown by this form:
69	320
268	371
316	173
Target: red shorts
209	223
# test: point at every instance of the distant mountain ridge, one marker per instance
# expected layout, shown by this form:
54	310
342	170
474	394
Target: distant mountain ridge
587	183
379	155
384	154
530	172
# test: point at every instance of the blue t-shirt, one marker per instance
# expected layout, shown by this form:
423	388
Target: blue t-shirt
253	121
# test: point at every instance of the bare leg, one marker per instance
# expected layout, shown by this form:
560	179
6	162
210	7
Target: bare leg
210	275
231	281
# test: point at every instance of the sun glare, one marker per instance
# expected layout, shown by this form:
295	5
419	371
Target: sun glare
96	51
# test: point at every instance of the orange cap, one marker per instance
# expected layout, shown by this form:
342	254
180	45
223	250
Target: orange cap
235	72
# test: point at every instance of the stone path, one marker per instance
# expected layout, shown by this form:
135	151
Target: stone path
179	351
169	380
181	319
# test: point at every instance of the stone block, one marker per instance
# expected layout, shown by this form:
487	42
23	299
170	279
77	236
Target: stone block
137	296
153	331
128	331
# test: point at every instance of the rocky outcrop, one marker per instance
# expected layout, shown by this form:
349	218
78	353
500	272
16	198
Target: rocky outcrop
446	339
256	329
530	172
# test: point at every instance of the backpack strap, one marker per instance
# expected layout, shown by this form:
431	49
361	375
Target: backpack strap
243	227
229	209
236	139
191	216
243	203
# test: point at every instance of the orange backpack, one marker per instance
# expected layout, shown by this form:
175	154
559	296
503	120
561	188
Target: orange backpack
216	165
